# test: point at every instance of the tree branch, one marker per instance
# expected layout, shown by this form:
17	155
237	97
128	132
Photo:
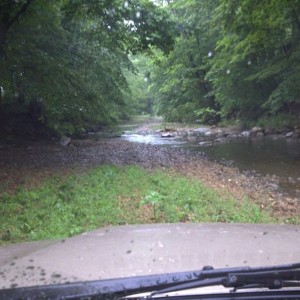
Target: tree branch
16	17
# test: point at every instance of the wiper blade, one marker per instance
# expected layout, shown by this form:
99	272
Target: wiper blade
275	277
236	278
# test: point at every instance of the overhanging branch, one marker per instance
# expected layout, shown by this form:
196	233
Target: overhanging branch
16	17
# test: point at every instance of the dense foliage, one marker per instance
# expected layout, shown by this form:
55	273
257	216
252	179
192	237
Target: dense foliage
232	59
74	64
138	99
63	62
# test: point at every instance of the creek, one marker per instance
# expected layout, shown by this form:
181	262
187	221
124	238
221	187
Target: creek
272	156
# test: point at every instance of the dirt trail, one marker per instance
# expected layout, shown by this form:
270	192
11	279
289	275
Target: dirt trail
28	163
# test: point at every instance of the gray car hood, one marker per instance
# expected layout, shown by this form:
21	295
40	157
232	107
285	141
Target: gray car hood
136	250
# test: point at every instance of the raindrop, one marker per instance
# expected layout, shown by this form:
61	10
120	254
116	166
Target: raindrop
109	27
138	14
145	79
126	4
228	71
1	91
209	54
55	275
249	62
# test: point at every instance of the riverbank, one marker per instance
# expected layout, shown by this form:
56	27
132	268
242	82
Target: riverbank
281	195
28	164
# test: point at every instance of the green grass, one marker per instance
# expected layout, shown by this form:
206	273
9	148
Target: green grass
109	195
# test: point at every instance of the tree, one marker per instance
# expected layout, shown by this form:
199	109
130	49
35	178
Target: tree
234	59
180	83
9	15
63	62
257	59
139	100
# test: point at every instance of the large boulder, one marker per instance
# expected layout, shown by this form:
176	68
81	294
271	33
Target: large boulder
296	133
257	131
245	134
65	141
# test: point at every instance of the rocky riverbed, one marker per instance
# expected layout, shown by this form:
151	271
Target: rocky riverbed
27	163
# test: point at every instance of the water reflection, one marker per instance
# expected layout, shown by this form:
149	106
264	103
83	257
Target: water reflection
261	156
152	139
267	156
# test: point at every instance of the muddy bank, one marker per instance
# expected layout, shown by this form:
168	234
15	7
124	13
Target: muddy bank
26	164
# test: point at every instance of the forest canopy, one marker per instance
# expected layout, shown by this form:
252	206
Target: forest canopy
233	60
70	65
64	62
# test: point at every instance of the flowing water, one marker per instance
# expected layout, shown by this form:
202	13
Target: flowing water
273	156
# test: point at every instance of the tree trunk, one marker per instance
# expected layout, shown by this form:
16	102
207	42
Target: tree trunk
3	31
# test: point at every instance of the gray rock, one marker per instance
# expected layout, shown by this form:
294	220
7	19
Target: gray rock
289	134
220	134
282	130
256	129
245	134
296	132
192	138
193	133
273	186
221	140
202	130
167	135
233	135
208	133
65	141
206	143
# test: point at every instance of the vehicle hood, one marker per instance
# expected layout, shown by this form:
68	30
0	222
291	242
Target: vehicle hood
136	250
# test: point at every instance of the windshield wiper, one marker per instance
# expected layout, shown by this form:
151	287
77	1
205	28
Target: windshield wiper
274	277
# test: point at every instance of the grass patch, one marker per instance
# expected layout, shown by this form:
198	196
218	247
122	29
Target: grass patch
109	195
